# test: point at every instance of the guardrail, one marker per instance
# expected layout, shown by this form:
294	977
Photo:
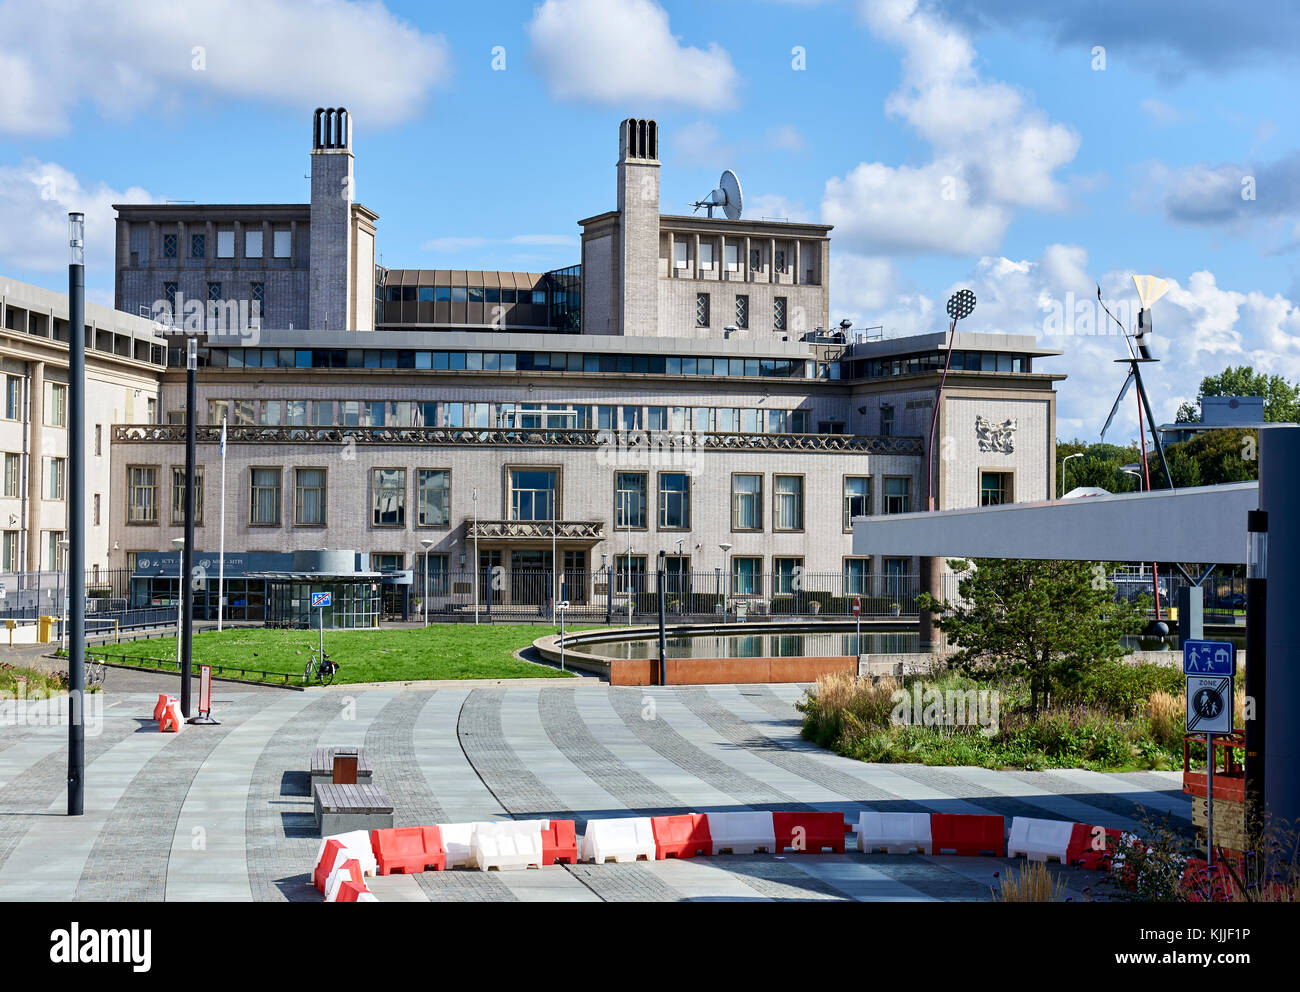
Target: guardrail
166	664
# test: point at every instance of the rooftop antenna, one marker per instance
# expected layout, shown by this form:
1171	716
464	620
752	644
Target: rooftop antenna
727	196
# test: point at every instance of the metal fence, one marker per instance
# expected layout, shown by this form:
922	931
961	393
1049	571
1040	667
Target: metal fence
27	595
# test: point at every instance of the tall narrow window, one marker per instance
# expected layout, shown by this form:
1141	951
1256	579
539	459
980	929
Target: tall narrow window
282	244
55	478
198	246
630	500
225	244
178	496
674	501
142	494
746	502
742	311
701	309
532	494
388	497
887	420
898	494
13	467
435	497
778	314
169	246
56	404
309	497
264	505
857	498
253	244
13	398
787	491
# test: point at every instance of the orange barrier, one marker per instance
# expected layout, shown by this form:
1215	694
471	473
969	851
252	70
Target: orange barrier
408	849
809	833
161	705
968	834
348	871
1090	849
351	891
171	720
560	843
682	836
328	858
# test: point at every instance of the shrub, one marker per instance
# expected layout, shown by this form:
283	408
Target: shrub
1031	883
1122	688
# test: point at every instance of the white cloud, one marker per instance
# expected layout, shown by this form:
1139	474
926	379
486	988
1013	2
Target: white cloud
786	137
126	56
758	206
616	51
993	150
699	144
35	198
1160	112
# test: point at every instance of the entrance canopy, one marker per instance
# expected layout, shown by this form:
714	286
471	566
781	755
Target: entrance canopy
1203	524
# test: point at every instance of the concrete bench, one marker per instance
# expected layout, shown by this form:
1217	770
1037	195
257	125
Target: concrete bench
342	808
322	765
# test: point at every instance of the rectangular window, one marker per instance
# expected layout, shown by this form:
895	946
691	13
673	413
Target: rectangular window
755	259
9	551
787	509
296	411
857	572
257	295
99	440
13	398
13	469
679	253
322	413
434	497
282	244
630	500
706	255
95	510
898	494
784	574
264	504
178	496
309	497
169	294
742	311
746	576
732	254
56	404
857	498
55	478
198	246
746	502
142	494
433	571
214	292
169	246
388	497
53	552
674	501
225	244
532	494
270	413
780	260
701	309
995	488
778	314
253	244
629	574
886	420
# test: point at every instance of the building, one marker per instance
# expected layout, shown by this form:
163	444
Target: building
1217	413
675	394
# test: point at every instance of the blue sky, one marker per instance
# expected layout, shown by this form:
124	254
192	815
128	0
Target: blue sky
952	144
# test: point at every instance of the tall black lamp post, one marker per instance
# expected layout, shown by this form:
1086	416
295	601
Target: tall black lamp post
663	640
187	556
76	511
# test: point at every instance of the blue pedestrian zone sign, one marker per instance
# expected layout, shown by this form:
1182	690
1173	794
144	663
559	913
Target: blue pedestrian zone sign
1209	658
320	599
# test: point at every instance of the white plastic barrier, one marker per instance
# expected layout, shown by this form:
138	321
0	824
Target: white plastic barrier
367	897
508	844
1039	840
335	881
457	842
897	833
620	839
742	833
356	844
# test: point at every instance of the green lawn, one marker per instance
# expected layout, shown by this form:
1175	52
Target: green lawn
441	651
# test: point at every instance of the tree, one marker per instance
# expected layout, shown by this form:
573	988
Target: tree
1281	396
1044	621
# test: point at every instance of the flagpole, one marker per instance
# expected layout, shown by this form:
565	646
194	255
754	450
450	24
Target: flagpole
221	553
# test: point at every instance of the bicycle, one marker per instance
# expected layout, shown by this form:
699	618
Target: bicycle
322	666
95	672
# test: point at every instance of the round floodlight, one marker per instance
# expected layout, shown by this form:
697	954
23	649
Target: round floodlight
960	304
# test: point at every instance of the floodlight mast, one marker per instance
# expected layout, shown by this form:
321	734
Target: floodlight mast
960	305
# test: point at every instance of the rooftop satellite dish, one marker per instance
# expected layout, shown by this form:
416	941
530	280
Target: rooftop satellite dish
727	196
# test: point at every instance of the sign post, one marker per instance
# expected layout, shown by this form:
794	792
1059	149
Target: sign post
320	600
564	605
1209	668
205	698
857	620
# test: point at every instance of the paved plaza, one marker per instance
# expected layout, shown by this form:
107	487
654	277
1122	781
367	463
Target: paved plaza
224	813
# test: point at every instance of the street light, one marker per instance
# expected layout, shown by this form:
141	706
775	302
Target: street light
1065	461
726	578
609	589
1133	471
428	543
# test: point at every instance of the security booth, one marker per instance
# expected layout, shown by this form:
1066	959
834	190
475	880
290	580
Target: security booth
354	600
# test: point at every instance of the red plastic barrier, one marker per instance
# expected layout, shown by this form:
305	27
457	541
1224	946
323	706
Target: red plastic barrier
326	863
161	705
968	834
560	843
350	891
408	849
1083	851
819	831
171	719
681	836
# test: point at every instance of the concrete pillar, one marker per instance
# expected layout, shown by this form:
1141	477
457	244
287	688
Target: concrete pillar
1191	613
931	576
771	260
794	276
35	461
745	272
1279	481
695	252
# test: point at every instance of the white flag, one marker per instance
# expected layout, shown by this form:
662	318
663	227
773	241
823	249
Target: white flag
223	437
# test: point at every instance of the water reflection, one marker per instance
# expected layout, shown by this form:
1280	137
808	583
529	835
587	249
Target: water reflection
818	645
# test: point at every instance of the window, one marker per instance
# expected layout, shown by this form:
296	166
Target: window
178	496
99	440
9	551
169	246
742	311
95	510
706	255
142	494
387	562
270	413
264	505
787	509
732	255
309	497
701	309
388	497
755	259
674	501
780	260
56	404
778	314
746	576
995	488
214	292
225	244
434	506
746	502
53	553
55	478
532	494
433	570
13	398
253	244
629	573
898	494
282	244
198	246
857	572
887	420
679	253
630	500
13	469
785	574
857	498
169	294
257	295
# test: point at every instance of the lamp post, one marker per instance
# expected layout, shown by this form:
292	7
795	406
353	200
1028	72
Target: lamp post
662	588
1136	474
474	500
76	503
726	577
179	544
187	557
609	589
64	614
428	543
1065	461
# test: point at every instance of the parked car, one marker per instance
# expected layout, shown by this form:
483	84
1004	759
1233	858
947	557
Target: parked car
1231	601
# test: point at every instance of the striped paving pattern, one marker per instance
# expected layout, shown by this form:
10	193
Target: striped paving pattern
224	813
